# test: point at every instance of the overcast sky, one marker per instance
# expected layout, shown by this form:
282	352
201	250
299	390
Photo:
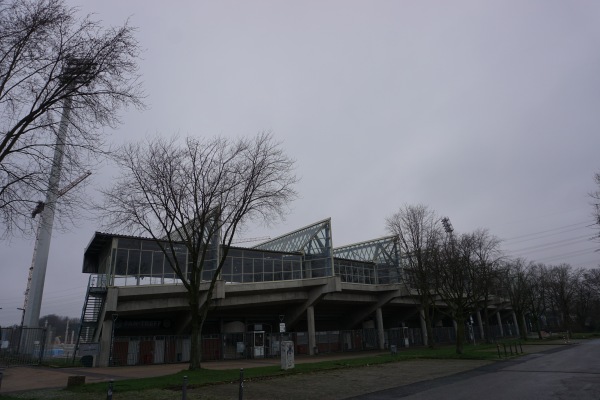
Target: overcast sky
486	111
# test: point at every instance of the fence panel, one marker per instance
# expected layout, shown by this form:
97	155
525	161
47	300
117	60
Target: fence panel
230	346
444	335
26	346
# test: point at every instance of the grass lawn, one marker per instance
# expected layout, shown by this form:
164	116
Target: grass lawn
203	377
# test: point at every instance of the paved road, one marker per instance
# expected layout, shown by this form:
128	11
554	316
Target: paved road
571	372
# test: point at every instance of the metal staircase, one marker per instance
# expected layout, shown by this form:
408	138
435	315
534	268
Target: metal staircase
92	309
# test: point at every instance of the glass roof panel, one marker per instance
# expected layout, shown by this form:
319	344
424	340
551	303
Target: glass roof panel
380	251
312	239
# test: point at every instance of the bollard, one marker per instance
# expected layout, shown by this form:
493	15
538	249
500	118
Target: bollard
505	353
184	388
241	392
510	348
110	390
521	346
498	347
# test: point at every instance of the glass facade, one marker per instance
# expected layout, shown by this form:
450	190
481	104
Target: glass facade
352	271
138	261
314	242
249	265
142	262
302	254
372	262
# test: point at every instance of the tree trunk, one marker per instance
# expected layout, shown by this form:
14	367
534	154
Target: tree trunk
429	325
486	323
521	324
460	334
196	337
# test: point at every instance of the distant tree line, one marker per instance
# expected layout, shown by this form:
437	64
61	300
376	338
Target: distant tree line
58	325
457	275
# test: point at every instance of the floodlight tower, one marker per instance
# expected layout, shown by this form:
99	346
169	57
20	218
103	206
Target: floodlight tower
75	73
447	225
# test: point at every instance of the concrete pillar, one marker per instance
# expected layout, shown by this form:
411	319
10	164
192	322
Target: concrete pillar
423	327
514	316
500	324
103	359
479	322
312	336
380	332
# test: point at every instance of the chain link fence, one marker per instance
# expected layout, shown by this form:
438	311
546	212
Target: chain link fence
33	346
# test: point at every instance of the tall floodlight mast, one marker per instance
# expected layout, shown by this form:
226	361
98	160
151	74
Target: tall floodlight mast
447	225
76	72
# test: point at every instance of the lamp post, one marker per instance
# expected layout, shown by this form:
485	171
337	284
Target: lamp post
75	72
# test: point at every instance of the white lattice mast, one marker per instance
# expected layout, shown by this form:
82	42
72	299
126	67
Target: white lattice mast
76	72
39	208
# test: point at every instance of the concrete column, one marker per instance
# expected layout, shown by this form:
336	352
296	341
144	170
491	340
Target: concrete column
500	324
514	316
380	332
479	322
312	336
423	326
103	358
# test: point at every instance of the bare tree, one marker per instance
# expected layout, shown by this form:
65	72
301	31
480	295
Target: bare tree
538	298
592	280
586	296
485	275
596	197
562	283
454	271
198	194
518	280
39	42
419	233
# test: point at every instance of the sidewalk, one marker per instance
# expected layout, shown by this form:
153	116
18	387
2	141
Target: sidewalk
18	379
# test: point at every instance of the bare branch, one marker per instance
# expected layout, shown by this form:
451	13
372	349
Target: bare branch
197	193
38	41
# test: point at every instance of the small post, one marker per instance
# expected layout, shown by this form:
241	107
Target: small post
184	388
510	347
110	390
521	346
498	347
241	392
505	353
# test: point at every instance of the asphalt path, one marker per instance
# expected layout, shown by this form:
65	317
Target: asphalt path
569	372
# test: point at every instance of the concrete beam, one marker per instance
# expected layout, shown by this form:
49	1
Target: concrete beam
232	301
383	299
271	286
332	284
153	305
